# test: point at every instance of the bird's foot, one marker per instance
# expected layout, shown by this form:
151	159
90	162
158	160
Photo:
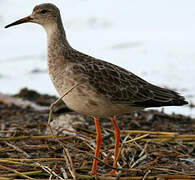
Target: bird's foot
94	173
113	172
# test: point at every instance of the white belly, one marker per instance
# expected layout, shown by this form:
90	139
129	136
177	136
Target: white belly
85	101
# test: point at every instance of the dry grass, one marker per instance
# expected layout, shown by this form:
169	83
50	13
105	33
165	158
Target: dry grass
27	152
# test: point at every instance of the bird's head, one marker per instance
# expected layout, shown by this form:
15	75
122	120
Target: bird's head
44	14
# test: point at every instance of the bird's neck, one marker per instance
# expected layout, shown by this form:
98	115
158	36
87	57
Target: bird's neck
58	49
57	44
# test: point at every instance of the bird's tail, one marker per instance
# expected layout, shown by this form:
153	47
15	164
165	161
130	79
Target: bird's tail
163	97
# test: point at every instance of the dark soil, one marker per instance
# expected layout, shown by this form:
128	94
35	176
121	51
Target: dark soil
24	142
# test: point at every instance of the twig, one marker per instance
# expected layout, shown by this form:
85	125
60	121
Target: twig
143	150
167	176
18	149
30	160
170	170
26	147
145	176
64	173
3	178
26	173
135	139
69	163
15	171
139	160
17	138
48	170
132	140
148	132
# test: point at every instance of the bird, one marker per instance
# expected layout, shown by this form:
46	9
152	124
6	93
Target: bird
101	89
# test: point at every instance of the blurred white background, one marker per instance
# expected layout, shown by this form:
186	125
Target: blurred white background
153	39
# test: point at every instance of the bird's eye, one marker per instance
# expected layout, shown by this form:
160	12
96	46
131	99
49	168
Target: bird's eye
43	11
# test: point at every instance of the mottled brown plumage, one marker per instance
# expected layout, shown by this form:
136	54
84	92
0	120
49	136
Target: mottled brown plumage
121	86
105	90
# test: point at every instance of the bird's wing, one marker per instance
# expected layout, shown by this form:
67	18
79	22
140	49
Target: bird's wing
123	87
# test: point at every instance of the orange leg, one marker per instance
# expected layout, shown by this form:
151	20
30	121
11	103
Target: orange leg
98	145
117	138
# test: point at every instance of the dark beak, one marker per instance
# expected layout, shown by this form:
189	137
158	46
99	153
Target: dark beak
23	20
